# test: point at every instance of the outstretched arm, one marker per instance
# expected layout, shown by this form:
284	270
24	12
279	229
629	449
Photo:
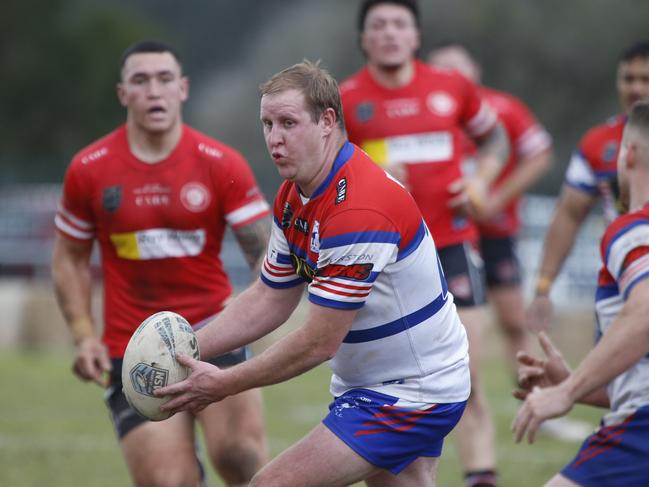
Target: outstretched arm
310	345
623	344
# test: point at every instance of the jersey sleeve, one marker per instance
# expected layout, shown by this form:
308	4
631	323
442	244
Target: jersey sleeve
277	270
354	248
529	138
243	201
74	217
625	251
477	117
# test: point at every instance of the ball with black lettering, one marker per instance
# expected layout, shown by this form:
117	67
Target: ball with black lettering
150	361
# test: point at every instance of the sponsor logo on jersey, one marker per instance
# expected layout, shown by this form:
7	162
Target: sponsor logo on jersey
302	269
402	107
354	257
195	196
112	198
441	103
158	243
315	237
301	225
152	195
210	151
94	156
609	152
146	379
287	215
365	112
341	191
358	272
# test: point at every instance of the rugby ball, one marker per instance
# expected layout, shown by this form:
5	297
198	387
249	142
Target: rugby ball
150	361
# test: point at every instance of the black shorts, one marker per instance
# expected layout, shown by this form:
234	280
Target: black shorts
501	263
464	272
124	418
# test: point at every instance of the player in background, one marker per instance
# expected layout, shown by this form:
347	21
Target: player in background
615	374
157	196
379	309
498	219
590	176
411	119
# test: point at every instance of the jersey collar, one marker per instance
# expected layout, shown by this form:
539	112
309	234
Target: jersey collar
345	153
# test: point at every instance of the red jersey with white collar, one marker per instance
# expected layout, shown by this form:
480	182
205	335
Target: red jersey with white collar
159	226
420	125
360	243
625	257
593	166
527	138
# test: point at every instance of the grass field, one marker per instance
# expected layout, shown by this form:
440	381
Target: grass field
54	430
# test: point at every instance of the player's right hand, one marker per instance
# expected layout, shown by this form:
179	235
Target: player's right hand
534	372
91	361
539	314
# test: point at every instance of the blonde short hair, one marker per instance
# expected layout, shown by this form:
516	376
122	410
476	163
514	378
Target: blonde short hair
319	88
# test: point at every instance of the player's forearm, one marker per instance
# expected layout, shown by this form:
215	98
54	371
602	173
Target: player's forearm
493	152
622	345
528	172
252	314
72	284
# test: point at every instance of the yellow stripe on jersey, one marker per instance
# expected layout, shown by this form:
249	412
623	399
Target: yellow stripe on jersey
126	245
377	149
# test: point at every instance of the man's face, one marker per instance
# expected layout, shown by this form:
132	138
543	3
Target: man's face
294	141
390	36
152	89
633	81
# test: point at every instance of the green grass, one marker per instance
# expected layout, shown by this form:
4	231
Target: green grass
54	430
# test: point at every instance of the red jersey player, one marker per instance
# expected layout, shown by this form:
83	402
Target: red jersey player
589	177
157	196
530	157
411	118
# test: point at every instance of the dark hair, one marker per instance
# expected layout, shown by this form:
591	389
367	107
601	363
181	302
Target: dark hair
319	88
411	5
639	49
148	46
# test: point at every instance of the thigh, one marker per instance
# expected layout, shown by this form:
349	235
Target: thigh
464	273
236	422
320	459
422	473
162	453
502	267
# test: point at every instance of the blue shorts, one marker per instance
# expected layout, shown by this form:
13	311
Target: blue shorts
388	436
615	455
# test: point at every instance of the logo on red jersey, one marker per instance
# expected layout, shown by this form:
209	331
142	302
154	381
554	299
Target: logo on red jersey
358	272
112	198
365	112
441	103
341	191
287	214
195	197
301	225
302	269
609	152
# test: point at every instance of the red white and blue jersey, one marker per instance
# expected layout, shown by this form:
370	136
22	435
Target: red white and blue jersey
528	138
159	226
593	166
361	243
421	125
625	255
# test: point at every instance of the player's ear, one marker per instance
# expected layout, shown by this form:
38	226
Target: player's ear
328	120
184	88
121	94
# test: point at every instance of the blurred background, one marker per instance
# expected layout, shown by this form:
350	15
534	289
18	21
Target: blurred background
59	64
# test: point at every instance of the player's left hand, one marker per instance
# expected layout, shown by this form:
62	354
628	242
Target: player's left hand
541	404
201	388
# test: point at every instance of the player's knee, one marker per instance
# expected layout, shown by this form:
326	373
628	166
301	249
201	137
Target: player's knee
238	463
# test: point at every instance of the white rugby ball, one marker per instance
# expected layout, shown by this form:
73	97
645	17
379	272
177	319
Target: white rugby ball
150	361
